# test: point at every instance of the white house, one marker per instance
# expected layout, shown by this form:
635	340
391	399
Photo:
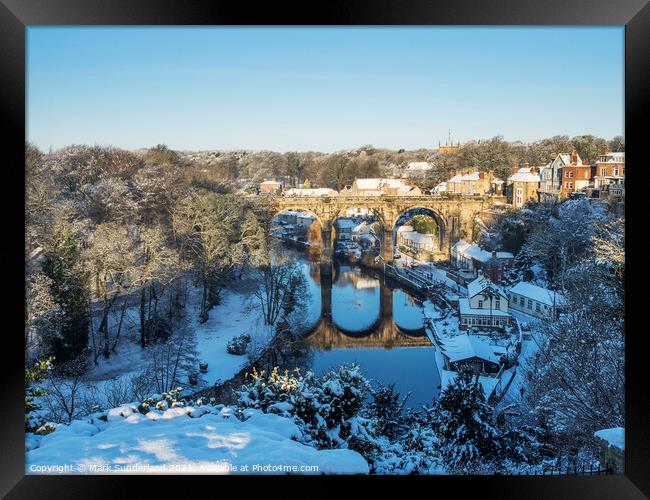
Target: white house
410	238
439	188
419	165
486	305
469	257
311	192
535	300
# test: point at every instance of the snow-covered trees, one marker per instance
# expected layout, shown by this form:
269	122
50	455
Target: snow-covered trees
69	290
35	374
577	383
207	228
110	258
388	409
474	438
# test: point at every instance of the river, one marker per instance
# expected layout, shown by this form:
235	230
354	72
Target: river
364	319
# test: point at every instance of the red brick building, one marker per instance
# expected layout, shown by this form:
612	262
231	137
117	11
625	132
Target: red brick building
576	176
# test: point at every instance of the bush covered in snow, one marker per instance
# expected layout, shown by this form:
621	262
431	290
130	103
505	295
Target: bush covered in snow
238	345
326	409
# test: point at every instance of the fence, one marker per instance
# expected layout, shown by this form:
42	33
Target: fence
583	470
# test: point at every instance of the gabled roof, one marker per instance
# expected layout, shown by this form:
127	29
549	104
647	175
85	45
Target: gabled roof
465	346
477	253
420	165
524	175
482	283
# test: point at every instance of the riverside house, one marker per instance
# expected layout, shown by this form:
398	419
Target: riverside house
486	305
535	300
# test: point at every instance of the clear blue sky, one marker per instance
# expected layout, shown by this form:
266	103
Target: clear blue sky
320	89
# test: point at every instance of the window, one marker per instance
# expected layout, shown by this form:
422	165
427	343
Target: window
480	304
537	308
521	301
569	174
530	304
615	170
497	304
603	171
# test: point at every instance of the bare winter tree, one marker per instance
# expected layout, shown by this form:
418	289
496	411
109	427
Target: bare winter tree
282	290
110	258
207	228
66	399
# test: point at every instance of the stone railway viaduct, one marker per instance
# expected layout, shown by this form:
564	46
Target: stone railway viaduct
454	215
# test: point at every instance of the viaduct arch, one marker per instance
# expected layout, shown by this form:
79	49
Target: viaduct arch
454	215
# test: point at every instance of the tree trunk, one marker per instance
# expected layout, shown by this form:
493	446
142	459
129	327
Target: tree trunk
204	301
142	322
103	327
119	328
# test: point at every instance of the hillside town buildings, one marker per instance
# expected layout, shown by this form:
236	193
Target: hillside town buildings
418	243
270	187
383	187
535	300
470	259
523	186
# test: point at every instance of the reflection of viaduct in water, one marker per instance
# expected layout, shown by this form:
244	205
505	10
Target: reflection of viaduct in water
383	333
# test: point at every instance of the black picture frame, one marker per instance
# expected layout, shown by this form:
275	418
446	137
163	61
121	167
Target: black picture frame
16	15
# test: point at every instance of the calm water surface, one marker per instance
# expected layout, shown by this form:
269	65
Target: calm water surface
360	318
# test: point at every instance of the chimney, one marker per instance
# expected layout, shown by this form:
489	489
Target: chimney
574	157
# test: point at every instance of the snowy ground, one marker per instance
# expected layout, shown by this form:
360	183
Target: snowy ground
204	440
234	316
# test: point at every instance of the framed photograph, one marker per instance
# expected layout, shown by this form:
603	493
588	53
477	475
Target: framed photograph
363	240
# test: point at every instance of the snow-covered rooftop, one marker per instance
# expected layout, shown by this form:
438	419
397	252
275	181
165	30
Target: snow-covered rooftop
534	292
311	192
420	165
480	284
524	175
345	223
467	346
368	183
414	236
472	250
